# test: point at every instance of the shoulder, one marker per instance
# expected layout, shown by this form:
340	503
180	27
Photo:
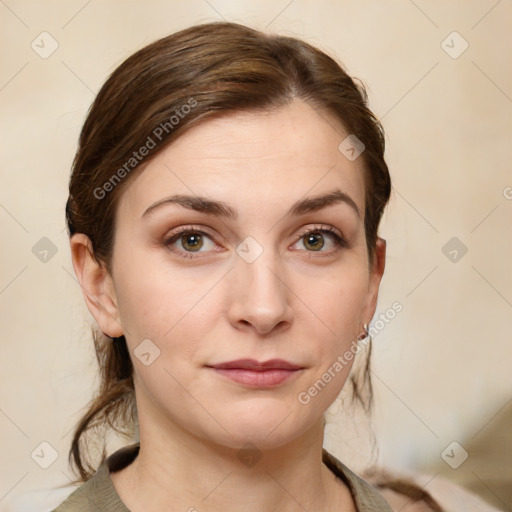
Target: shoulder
407	491
98	493
366	497
85	497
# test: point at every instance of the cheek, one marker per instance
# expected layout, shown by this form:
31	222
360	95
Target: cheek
174	312
154	300
340	300
340	308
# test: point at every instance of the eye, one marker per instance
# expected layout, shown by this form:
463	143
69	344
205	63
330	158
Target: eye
187	241
314	240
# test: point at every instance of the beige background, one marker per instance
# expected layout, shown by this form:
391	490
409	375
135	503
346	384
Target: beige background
441	367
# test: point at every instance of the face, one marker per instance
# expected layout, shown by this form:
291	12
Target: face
262	269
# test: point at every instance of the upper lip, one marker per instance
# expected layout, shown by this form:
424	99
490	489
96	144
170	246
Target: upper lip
252	364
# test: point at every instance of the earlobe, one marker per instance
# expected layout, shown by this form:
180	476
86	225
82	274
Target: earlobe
96	284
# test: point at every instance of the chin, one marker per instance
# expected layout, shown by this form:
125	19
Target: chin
266	426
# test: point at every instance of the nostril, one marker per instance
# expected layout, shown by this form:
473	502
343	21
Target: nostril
282	325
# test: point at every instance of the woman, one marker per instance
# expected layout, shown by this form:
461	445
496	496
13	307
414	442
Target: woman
223	216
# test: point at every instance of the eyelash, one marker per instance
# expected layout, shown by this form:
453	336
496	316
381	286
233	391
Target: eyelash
339	241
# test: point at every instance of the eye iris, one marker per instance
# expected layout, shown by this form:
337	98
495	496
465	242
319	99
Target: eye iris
315	240
192	241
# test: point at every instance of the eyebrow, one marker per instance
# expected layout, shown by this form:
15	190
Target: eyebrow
211	207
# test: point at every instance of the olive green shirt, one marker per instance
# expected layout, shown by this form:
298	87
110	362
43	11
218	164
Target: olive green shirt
98	494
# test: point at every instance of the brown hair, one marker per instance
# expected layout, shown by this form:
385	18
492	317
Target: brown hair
152	98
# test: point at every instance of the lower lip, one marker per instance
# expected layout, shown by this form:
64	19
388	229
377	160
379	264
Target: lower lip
257	379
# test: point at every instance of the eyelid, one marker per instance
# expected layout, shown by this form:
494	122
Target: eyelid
186	229
321	227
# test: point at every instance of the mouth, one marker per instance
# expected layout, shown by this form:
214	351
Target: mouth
252	373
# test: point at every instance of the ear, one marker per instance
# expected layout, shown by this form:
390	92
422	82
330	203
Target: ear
97	285
376	272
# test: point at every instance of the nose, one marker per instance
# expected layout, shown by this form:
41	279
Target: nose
259	295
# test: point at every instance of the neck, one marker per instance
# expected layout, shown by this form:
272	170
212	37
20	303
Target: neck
194	475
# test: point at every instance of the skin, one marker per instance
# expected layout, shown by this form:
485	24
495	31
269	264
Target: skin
293	302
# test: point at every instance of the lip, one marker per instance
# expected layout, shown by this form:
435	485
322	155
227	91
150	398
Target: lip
252	364
257	374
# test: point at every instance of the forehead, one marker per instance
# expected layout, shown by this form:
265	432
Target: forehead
270	159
